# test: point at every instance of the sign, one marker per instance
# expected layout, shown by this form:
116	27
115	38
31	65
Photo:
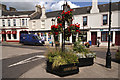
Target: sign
8	32
14	32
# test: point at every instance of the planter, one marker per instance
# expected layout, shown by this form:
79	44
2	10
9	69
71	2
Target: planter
62	70
85	62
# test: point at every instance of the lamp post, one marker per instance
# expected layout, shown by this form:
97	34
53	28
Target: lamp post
108	55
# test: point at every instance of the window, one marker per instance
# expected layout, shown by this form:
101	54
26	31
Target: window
85	21
43	23
26	22
15	36
34	37
14	22
3	22
23	23
8	22
105	19
9	36
105	36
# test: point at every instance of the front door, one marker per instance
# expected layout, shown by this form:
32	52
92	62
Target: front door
117	38
3	37
94	38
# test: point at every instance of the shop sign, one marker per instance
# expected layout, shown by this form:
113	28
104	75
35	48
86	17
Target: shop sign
14	32
3	32
8	32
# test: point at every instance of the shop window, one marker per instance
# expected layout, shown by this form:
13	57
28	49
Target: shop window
83	36
15	36
14	22
104	36
105	19
8	22
3	22
85	21
9	36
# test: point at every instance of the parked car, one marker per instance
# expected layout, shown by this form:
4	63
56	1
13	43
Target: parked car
31	39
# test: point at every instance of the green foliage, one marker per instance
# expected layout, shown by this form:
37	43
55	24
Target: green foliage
60	58
81	51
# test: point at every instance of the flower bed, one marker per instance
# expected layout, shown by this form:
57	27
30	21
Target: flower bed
85	57
62	63
62	70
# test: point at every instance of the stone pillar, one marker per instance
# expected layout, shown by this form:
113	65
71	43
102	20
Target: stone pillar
113	37
77	37
60	39
71	39
88	36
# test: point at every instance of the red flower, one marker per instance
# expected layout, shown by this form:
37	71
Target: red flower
77	30
56	33
60	25
71	9
66	12
63	12
56	26
52	26
63	17
58	17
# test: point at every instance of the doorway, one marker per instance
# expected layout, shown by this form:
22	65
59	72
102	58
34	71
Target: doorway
94	38
3	37
117	38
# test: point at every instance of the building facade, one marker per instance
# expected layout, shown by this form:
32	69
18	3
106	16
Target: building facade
93	20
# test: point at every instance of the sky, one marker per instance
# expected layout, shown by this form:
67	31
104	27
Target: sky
50	5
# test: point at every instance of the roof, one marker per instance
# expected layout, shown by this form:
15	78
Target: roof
37	16
86	10
16	13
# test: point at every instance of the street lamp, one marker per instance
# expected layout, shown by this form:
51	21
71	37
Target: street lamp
108	55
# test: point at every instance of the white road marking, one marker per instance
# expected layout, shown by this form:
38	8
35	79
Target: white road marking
34	58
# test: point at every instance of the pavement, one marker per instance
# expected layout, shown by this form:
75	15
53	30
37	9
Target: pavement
98	70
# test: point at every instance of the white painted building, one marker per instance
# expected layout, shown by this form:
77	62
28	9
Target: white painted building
93	20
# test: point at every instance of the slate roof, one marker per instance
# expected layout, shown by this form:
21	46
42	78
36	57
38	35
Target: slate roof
16	13
77	11
86	10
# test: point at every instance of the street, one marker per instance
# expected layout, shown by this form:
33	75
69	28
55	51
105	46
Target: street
15	54
18	59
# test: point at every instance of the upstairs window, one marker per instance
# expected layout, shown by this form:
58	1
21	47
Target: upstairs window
23	22
105	19
8	22
85	21
3	22
26	22
14	22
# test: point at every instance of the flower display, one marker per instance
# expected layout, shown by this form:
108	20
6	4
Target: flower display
56	29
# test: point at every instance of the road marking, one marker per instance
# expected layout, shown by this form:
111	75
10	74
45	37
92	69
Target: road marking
31	59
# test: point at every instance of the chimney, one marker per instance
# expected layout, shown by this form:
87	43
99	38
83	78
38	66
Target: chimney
4	7
12	9
38	8
43	12
94	7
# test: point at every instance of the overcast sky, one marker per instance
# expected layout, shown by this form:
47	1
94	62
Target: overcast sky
51	5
